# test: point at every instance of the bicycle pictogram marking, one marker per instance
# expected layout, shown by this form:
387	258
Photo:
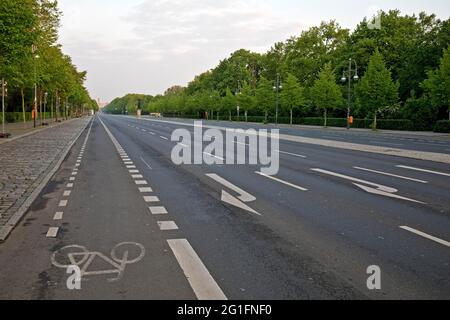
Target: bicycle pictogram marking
80	256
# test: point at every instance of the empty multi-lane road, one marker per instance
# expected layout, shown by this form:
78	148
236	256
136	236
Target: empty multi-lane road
141	227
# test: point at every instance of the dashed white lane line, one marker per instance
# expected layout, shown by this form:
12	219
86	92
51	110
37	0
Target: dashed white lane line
129	163
424	170
164	138
52	232
137	176
141	182
67	193
131	167
74	173
201	281
133	171
63	203
427	236
390	175
72	179
167	225
291	154
158	210
58	216
214	156
152	133
282	181
150	199
145	190
69	185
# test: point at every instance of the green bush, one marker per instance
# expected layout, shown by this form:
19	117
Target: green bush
442	126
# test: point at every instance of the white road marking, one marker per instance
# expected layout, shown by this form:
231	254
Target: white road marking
77	165
148	166
52	232
58	216
291	154
74	173
424	170
164	138
63	203
137	176
228	198
129	163
386	194
167	225
214	156
152	133
133	171
183	145
72	179
390	175
69	185
67	193
158	210
427	236
131	167
149	199
141	182
201	281
145	190
244	196
282	181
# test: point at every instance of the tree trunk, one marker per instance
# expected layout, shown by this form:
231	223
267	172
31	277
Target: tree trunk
230	115
325	116
375	122
292	117
23	105
246	117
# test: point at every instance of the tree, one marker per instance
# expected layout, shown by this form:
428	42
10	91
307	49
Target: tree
265	96
292	95
377	91
437	86
246	99
229	102
326	93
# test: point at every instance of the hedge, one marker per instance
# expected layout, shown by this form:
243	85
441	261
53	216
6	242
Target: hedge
442	126
13	117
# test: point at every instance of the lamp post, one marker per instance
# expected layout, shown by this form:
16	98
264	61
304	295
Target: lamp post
238	92
34	49
349	75
277	88
4	90
45	106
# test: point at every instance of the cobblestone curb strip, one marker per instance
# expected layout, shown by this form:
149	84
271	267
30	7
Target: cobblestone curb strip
39	182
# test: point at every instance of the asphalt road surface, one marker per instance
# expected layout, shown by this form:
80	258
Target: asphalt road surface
140	227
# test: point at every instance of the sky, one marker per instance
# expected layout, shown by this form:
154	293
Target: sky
146	46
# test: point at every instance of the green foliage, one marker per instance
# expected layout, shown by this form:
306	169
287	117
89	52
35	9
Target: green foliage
265	96
292	95
442	126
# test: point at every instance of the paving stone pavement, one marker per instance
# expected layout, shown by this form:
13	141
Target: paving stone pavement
25	162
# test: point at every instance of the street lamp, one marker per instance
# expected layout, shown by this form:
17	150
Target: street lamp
45	106
277	88
350	74
33	50
238	92
4	91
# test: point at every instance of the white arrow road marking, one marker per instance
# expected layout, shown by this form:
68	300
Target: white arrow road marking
424	170
386	194
282	181
390	175
427	236
243	195
228	198
378	186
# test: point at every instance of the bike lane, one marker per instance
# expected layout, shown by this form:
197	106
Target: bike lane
91	214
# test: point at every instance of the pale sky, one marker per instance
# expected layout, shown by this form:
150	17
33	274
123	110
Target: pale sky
146	46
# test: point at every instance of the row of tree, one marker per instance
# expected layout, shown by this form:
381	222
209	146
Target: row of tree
33	64
402	67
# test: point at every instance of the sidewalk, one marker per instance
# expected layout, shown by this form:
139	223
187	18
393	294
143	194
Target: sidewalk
27	162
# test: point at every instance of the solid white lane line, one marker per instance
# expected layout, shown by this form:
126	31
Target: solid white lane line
424	170
291	154
52	232
67	193
282	181
427	236
137	176
58	216
158	210
63	203
145	190
69	185
149	199
164	138
390	175
201	281
167	225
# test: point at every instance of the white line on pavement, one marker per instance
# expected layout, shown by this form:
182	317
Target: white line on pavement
137	176
52	232
424	170
167	225
158	210
427	236
67	193
164	138
133	171
390	175
149	199
58	216
291	154
63	203
282	181
244	195
72	179
69	185
131	167
141	182
145	190
201	281
214	156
